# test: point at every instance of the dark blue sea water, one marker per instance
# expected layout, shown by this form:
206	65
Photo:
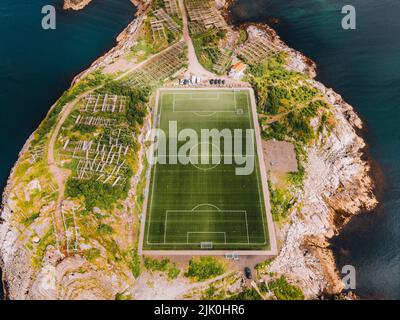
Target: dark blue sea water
36	66
364	66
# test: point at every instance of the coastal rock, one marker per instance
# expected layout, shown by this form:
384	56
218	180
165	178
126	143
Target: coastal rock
125	40
75	4
337	187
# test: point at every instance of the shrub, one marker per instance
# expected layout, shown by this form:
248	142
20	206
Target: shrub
134	263
135	99
31	219
94	79
276	99
92	254
204	268
281	203
173	272
275	130
105	229
257	69
96	194
300	127
263	265
123	296
247	294
156	265
304	93
284	290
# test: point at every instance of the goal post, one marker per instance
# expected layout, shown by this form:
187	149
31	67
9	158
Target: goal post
206	245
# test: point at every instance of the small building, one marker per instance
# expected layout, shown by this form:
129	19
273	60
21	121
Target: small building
237	70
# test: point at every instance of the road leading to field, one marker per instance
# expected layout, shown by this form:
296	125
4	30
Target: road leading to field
194	65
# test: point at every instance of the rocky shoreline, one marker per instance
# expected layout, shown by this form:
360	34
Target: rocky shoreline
17	283
338	186
75	4
5	214
125	40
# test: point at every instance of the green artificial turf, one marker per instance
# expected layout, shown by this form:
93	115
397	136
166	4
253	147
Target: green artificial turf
193	204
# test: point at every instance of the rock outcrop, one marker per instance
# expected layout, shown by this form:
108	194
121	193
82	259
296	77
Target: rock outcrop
338	186
75	4
125	40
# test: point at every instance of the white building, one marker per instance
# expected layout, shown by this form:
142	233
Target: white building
237	70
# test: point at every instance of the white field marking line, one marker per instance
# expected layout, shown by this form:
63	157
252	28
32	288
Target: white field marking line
219	210
220	92
262	205
222	211
205	205
216	97
266	195
222	154
220	244
247	228
165	226
192	94
197	112
205	232
152	183
202	115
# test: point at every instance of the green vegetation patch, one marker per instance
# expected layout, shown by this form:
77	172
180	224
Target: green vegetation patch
31	219
247	294
283	290
93	80
206	45
134	263
136	98
163	265
281	202
95	193
204	268
156	265
92	254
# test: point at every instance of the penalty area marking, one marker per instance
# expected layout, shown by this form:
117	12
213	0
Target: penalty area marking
205	232
244	212
210	112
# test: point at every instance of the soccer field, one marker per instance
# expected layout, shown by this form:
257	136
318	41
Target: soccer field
200	205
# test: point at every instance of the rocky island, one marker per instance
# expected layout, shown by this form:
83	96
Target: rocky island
75	4
68	232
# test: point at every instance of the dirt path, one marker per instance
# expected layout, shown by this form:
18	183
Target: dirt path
61	175
194	65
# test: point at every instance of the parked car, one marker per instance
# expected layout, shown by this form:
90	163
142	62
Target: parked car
247	272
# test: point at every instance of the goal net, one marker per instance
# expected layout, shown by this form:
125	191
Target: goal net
206	245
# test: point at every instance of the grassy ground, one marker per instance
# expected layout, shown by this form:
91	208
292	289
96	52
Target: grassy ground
191	203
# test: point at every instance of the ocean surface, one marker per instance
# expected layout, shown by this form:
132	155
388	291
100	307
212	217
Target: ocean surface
363	65
37	65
